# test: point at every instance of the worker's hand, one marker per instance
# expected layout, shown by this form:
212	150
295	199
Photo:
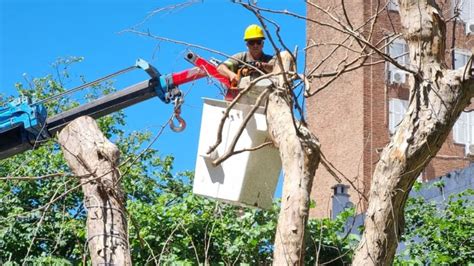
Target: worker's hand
233	77
261	65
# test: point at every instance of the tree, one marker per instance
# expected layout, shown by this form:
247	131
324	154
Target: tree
94	159
299	152
437	97
42	214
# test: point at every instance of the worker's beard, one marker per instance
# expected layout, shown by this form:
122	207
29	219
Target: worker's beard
255	52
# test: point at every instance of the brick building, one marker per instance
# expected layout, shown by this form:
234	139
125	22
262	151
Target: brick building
355	115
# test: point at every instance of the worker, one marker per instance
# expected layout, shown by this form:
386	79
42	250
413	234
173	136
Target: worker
254	38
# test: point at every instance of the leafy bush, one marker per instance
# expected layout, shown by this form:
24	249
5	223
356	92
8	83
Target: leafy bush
439	233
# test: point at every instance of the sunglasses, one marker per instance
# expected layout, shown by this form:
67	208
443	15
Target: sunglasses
253	42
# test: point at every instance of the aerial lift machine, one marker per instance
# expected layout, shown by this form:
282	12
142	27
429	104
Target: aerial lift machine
245	179
23	124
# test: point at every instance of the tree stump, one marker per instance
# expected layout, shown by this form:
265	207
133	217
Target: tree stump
93	158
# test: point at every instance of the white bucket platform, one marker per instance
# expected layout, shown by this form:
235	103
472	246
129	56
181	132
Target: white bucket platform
247	178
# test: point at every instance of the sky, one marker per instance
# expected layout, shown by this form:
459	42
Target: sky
35	33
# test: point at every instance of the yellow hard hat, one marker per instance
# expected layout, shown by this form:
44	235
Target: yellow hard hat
253	32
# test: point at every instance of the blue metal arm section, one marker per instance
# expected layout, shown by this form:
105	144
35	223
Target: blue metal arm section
21	111
23	123
164	84
21	126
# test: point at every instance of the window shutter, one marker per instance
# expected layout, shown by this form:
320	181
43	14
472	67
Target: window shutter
401	111
460	58
397	110
456	130
460	129
467	10
391	116
470	131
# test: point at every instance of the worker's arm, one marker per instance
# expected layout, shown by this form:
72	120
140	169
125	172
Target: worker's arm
224	70
229	67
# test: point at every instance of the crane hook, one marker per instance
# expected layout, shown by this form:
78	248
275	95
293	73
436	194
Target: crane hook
177	115
181	122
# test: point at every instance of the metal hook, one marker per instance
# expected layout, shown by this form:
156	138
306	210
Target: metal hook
182	123
177	115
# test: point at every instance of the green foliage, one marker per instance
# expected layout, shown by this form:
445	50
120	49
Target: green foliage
439	233
330	241
177	225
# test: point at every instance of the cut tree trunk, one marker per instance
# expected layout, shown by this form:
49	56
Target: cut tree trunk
299	152
437	97
91	156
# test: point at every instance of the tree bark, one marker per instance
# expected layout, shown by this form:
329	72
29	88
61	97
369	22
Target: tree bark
437	97
299	152
91	156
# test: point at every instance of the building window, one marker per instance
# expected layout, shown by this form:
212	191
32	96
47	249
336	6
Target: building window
460	58
398	49
393	5
396	111
463	130
467	9
466	14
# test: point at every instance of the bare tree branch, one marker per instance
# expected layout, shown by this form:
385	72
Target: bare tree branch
230	149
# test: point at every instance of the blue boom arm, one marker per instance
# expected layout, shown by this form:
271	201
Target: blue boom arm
23	124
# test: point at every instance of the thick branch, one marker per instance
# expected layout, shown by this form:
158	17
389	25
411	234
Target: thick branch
299	152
